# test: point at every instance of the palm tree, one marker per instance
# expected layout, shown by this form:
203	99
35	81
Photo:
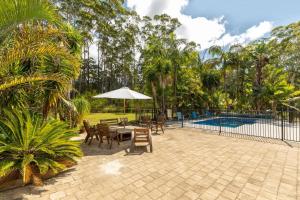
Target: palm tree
220	59
32	147
157	69
16	12
260	55
36	47
183	53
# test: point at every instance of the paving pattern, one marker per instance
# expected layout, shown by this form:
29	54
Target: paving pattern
185	164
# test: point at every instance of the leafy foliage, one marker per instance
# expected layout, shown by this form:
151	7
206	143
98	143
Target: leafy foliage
38	60
83	108
16	12
33	147
147	55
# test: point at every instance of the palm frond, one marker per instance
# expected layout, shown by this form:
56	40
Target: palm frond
15	12
21	80
6	166
38	44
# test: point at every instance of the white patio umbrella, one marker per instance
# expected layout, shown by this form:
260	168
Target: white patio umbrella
122	93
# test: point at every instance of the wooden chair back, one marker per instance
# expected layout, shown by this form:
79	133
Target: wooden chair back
87	127
146	122
145	118
161	119
90	131
141	135
110	122
103	129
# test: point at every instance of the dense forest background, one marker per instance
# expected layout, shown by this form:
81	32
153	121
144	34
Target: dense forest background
146	55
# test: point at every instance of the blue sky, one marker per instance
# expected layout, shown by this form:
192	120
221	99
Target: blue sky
242	14
222	22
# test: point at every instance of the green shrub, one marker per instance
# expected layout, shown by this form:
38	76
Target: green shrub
83	108
110	108
98	104
33	147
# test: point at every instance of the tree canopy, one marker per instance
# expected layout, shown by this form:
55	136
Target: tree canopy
142	53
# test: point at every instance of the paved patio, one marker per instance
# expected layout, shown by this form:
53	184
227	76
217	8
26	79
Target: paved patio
186	164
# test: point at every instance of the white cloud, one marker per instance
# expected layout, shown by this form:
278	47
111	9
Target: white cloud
203	31
253	33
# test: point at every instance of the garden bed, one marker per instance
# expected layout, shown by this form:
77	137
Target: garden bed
14	179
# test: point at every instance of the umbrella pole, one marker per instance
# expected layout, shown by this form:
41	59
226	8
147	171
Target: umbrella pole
124	106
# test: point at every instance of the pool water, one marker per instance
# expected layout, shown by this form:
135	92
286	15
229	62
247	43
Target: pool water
231	122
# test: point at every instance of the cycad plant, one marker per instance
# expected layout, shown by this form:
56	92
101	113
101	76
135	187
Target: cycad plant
33	147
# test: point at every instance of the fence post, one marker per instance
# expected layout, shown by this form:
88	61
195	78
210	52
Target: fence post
220	129
182	118
282	125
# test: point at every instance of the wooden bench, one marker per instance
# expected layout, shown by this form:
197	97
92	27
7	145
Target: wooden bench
110	122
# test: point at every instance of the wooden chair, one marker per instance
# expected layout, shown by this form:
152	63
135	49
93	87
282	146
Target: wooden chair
142	137
103	131
160	123
146	122
90	132
110	135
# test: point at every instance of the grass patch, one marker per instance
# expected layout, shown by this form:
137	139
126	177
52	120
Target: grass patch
94	118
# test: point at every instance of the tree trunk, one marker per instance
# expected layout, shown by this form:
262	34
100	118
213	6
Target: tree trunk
225	88
292	113
88	66
258	81
27	174
162	81
98	68
175	87
154	94
237	80
274	108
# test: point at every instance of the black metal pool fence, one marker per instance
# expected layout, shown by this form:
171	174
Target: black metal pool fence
283	124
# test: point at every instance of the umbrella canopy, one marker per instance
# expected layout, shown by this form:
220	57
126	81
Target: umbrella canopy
122	93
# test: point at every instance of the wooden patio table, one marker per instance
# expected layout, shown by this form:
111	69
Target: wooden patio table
121	131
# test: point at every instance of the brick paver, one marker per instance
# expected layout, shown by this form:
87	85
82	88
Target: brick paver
186	164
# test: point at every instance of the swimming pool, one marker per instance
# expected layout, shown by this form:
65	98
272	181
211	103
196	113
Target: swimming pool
231	122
